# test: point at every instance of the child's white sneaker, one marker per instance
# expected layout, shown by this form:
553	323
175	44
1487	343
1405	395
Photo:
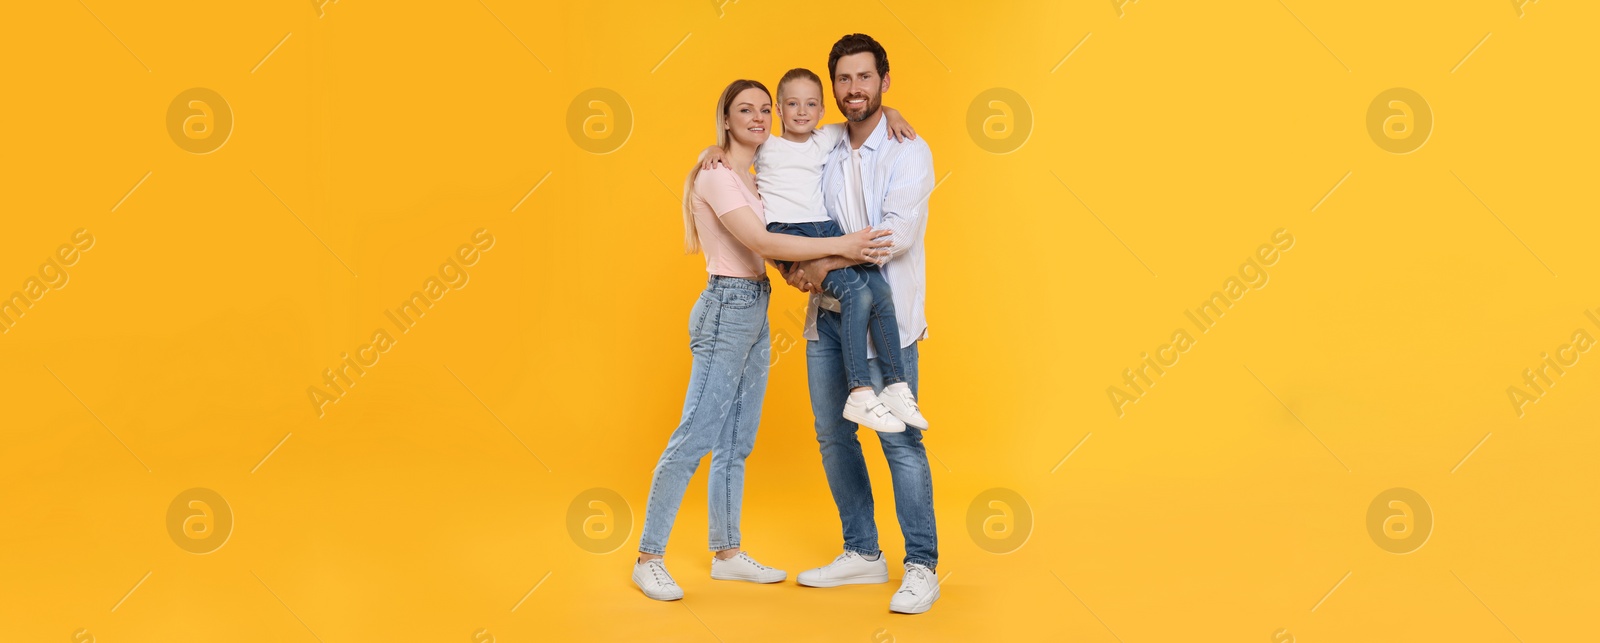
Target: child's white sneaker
869	411
743	567
903	404
918	590
652	577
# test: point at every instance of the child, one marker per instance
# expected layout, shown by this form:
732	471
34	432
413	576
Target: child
789	175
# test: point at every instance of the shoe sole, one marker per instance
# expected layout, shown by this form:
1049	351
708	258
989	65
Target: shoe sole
750	580
660	598
897	416
862	420
656	598
902	420
857	580
918	609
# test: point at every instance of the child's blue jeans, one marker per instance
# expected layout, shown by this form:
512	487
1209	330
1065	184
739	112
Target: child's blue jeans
865	301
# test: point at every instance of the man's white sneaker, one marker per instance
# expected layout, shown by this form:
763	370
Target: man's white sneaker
848	569
652	577
743	567
903	404
869	411
918	590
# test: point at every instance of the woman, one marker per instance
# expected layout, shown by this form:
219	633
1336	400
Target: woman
728	336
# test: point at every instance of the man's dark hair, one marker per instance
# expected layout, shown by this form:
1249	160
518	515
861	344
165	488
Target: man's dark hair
854	44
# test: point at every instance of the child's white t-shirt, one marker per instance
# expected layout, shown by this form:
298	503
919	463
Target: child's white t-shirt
789	175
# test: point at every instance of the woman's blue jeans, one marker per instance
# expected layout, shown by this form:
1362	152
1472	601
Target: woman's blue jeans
729	337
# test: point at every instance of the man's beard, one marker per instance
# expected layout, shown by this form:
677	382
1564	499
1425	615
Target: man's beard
867	110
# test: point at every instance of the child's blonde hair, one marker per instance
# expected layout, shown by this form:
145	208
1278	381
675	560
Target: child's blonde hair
796	74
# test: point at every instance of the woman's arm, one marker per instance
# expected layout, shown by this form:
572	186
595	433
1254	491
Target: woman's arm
868	244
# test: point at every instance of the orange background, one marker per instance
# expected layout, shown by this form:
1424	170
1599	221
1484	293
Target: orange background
1167	141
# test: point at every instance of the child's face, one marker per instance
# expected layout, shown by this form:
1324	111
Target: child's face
800	106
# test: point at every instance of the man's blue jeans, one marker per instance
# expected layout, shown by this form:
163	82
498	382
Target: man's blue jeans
844	465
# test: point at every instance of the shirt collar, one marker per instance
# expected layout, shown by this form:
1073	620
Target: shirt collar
874	140
879	133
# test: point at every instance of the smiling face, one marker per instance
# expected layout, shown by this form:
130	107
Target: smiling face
857	86
800	105
748	115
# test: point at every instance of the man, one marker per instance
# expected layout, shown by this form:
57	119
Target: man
872	180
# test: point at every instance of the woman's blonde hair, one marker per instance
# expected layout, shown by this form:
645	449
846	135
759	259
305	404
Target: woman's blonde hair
691	237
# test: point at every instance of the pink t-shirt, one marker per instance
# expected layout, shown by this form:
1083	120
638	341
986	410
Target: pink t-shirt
718	191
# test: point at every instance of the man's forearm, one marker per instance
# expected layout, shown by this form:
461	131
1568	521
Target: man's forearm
814	271
834	262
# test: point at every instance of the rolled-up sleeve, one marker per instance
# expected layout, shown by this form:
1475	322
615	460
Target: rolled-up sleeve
905	202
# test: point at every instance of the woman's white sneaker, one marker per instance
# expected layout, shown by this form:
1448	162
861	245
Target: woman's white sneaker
848	569
903	404
918	590
651	576
743	567
868	411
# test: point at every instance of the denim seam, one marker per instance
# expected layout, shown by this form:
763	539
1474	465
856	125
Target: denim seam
928	493
896	370
872	504
928	484
932	528
853	380
727	473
